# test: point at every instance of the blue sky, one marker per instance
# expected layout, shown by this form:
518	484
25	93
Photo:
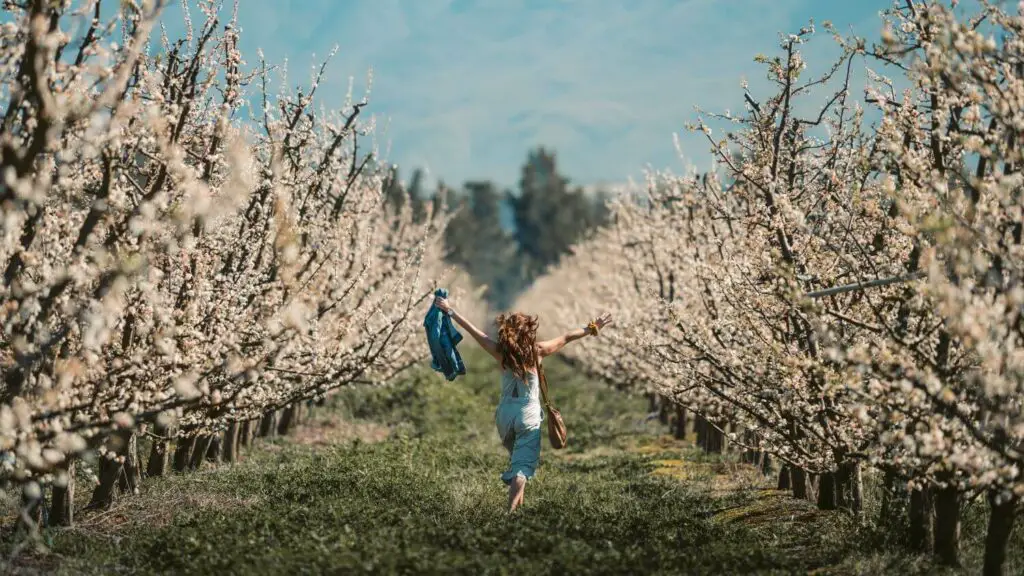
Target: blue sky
463	88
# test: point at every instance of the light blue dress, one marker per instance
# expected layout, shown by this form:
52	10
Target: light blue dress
519	417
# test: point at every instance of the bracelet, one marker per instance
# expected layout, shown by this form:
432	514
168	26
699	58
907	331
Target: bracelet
592	328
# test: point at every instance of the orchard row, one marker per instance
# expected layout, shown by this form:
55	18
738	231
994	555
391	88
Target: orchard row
844	294
189	246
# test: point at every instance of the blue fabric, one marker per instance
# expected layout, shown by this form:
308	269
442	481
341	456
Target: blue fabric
443	339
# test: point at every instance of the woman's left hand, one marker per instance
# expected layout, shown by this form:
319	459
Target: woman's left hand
600	322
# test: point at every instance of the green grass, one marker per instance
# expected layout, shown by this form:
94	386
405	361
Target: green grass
427	499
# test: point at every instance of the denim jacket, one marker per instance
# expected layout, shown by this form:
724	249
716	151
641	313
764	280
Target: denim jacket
442	337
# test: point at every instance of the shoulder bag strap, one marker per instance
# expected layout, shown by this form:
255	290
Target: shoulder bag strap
543	381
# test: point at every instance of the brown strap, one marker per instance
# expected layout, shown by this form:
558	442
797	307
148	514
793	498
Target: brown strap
543	382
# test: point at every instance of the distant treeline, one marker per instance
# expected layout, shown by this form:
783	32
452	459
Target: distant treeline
506	238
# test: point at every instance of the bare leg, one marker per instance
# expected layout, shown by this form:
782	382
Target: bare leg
515	493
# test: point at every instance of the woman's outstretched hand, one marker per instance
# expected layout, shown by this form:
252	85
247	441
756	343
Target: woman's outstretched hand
597	324
443	304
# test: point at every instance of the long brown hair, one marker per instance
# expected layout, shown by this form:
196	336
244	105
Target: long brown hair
517	342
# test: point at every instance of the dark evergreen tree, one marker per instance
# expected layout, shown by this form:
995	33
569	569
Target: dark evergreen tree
550	216
397	195
416	196
394	192
476	241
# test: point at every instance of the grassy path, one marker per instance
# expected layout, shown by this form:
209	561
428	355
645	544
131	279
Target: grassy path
405	480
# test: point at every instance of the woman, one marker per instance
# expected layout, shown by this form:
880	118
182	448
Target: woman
520	414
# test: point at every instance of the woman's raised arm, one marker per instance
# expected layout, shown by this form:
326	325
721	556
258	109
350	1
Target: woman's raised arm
549	347
481	338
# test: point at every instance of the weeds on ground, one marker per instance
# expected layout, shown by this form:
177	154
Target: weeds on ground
404	479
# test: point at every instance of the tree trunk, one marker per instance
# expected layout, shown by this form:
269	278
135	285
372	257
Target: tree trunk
254	430
1000	525
827	498
680	431
715	439
267	424
231	443
652	402
117	444
131	477
798	479
893	511
921	529
183	453
784	483
30	517
663	410
287	421
947	525
158	454
214	451
245	434
766	463
855	481
750	455
843	486
199	453
62	509
103	494
700	427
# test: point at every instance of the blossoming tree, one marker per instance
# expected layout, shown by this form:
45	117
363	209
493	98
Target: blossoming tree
188	253
844	292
